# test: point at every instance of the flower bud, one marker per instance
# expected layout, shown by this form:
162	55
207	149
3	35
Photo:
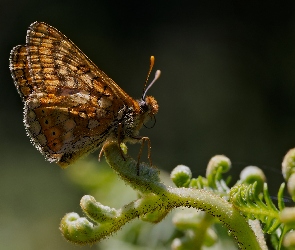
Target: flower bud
251	174
181	176
216	162
288	164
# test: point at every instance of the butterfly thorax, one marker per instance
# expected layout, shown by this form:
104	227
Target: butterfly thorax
133	120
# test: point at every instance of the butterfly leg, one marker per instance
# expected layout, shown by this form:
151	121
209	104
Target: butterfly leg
101	151
143	139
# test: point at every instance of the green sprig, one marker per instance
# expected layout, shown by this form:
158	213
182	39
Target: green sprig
247	200
156	201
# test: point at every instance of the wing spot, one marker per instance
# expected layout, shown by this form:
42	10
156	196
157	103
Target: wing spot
105	102
31	115
68	137
55	145
69	125
42	139
34	127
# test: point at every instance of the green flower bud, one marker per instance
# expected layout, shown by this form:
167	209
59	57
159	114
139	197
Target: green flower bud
96	211
288	164
251	174
181	176
216	162
291	185
76	229
289	240
287	216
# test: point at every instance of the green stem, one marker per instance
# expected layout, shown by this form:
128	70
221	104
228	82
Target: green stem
155	197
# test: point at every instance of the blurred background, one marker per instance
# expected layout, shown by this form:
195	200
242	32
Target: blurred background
227	87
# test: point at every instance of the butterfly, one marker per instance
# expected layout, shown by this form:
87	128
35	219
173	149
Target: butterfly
71	107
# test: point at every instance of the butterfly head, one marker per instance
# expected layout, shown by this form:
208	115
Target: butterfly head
148	106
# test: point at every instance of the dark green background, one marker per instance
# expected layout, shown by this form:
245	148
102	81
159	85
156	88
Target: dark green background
227	87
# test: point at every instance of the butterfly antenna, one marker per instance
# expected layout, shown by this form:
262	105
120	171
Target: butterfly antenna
157	75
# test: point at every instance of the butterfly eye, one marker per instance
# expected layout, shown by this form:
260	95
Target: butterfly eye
153	120
152	105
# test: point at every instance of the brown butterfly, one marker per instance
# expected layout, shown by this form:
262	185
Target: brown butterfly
71	107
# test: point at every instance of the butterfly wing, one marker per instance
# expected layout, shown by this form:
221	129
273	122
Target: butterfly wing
62	128
71	106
